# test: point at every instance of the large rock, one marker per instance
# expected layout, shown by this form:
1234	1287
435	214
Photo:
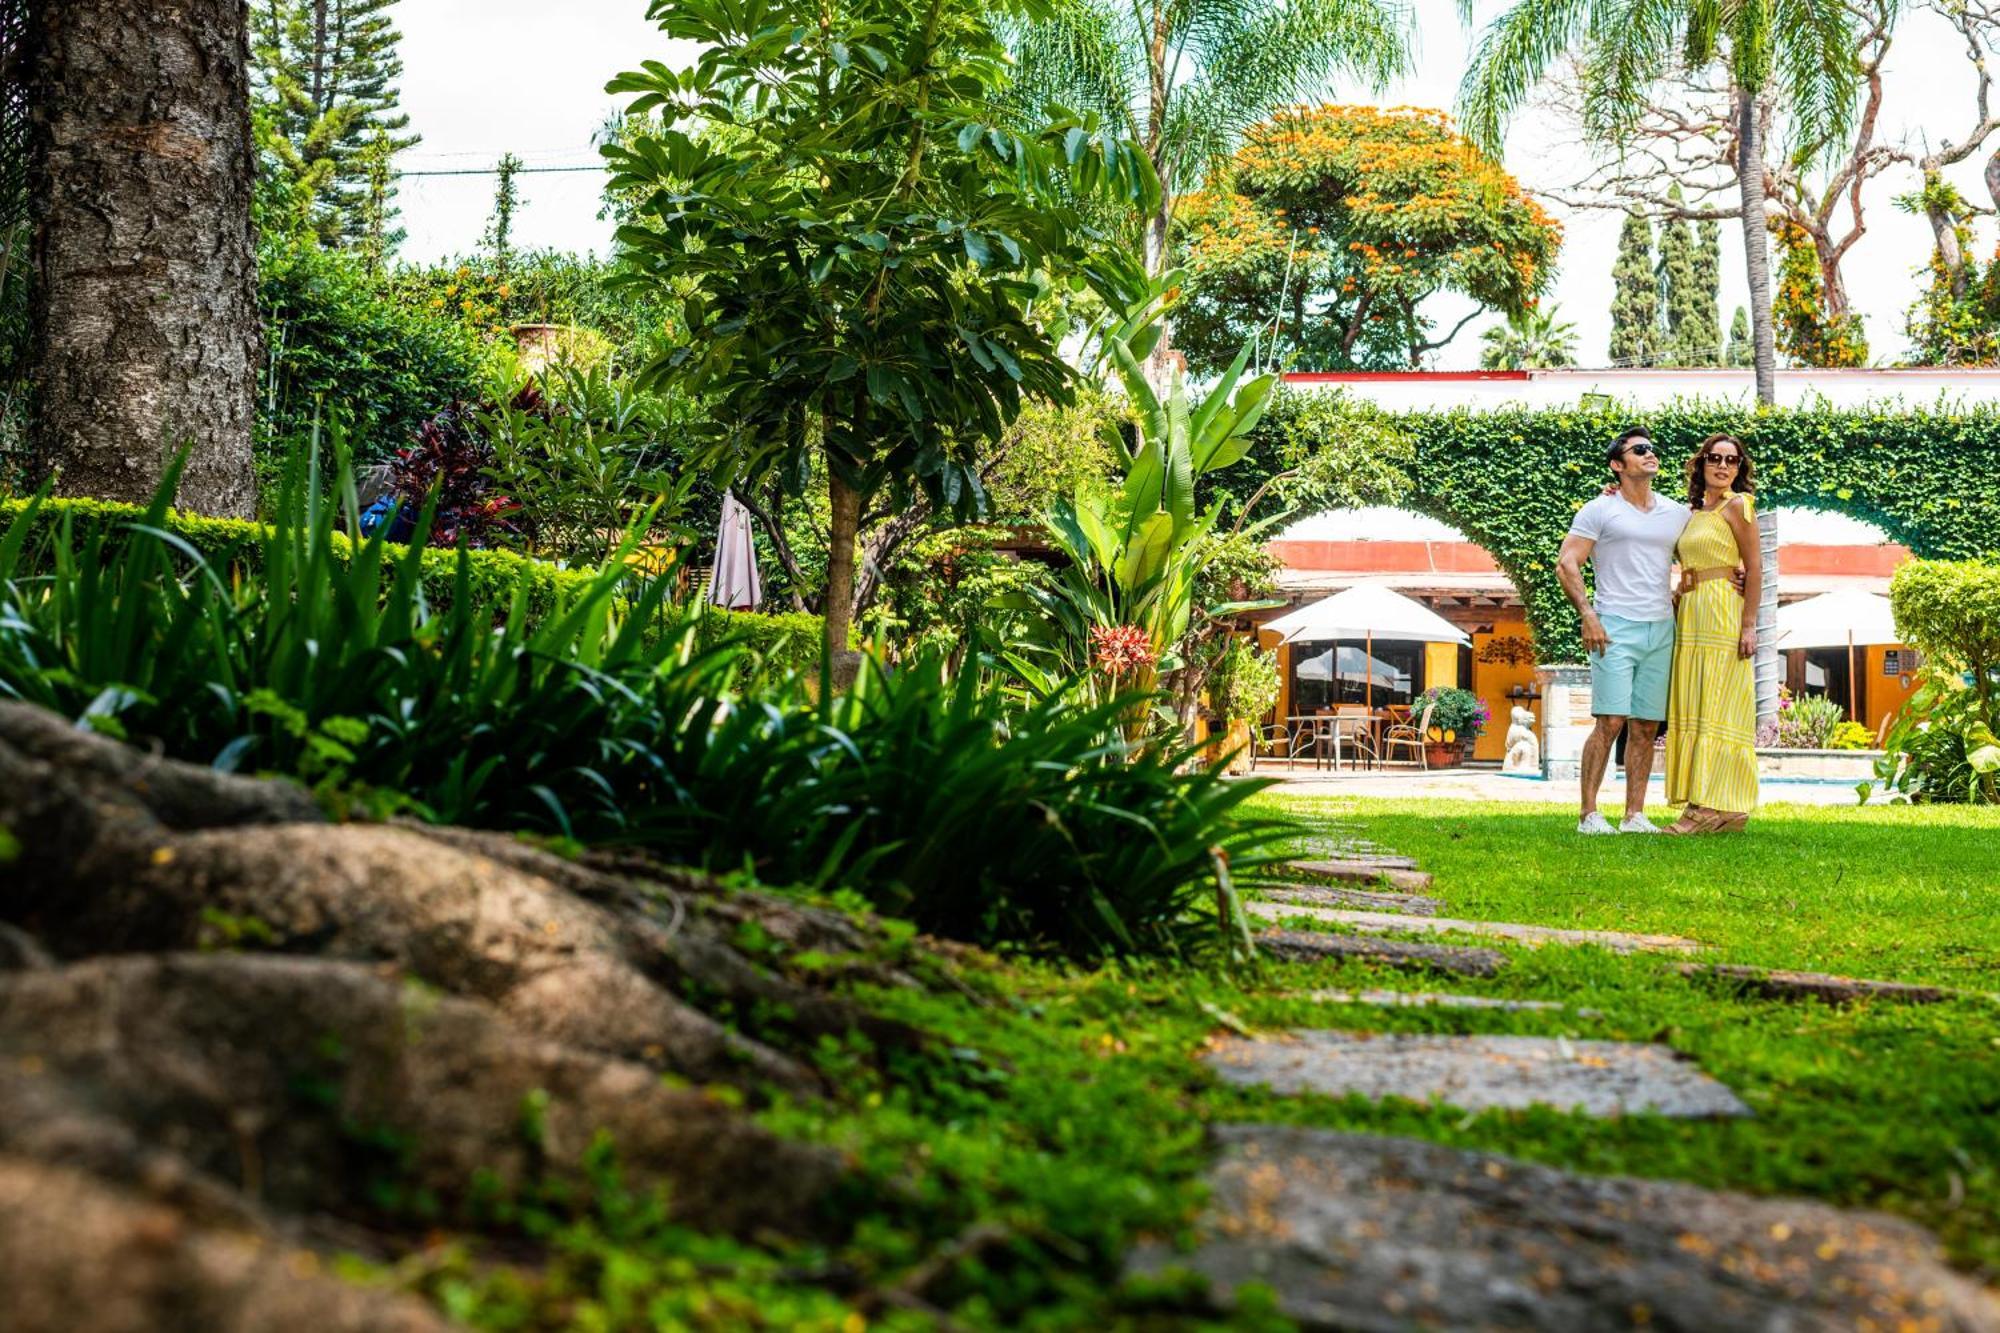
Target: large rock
79	1256
1381	1235
245	1085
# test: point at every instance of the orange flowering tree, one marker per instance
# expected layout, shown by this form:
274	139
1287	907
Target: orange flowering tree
1335	225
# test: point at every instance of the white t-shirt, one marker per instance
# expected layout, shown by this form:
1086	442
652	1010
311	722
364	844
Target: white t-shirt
1634	554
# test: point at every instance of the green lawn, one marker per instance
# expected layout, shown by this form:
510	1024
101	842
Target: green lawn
1058	1115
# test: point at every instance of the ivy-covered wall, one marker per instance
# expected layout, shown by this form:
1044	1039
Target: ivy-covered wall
1511	479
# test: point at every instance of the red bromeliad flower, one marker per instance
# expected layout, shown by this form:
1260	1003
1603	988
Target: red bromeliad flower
1121	648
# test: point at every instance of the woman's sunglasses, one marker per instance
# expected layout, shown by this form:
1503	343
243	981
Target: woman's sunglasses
1722	460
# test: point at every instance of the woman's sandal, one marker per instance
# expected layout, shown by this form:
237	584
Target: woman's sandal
1724	821
1689	822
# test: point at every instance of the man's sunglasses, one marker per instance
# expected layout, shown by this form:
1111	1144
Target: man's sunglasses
1637	447
1722	460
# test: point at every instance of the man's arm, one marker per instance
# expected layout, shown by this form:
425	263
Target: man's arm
1569	569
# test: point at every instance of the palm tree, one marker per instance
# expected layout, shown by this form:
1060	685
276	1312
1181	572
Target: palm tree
1798	51
1530	340
1186	78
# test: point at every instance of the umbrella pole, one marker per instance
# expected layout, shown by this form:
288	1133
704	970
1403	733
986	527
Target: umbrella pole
1850	673
1368	672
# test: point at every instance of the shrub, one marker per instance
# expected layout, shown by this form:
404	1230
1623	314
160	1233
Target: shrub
1949	610
1941	747
1850	736
333	334
607	719
1460	714
1806	722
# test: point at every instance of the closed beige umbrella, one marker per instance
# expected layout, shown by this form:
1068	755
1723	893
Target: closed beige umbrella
735	583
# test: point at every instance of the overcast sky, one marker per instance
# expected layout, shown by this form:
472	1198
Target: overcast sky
483	77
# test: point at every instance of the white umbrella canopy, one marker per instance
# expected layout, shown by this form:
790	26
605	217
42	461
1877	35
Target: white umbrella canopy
1367	610
1836	620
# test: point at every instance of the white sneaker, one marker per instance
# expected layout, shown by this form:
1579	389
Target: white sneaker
1638	824
1594	822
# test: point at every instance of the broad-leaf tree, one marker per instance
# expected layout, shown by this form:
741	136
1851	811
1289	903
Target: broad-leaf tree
869	237
1333	226
1799	51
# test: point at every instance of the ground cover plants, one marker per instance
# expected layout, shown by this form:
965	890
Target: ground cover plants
1060	1115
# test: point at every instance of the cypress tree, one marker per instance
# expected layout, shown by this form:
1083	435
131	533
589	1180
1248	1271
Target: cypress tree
1703	326
1635	305
1739	338
325	76
1678	300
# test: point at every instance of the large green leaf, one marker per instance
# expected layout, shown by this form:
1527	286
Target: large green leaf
1145	552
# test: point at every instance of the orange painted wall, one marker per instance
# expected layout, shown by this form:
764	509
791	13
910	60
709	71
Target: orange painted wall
1492	680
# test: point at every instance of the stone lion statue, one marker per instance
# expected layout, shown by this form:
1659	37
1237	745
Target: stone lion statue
1524	751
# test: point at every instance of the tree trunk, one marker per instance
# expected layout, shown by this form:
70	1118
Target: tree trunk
145	328
839	607
1756	244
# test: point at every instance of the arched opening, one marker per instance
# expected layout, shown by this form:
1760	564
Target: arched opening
1434	565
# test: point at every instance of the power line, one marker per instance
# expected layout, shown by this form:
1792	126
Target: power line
494	171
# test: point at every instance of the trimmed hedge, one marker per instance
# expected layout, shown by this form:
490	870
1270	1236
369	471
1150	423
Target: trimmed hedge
1949	610
786	642
1511	478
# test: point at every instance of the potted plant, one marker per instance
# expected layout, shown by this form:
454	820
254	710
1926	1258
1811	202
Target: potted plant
1457	717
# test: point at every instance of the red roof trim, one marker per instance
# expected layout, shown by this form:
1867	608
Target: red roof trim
1360	376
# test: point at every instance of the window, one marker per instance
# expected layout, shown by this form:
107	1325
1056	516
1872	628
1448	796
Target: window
1326	674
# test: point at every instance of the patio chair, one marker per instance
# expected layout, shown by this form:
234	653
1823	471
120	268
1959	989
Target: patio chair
1361	735
1409	736
1267	742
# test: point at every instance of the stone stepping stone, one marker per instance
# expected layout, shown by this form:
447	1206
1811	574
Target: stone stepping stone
1594	1078
1378	1235
1403	999
1408	955
1533	936
1399	872
1781	985
1316	896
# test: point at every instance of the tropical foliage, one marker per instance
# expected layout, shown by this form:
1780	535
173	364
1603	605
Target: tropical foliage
1806	332
1529	340
1334	225
869	232
608	720
1187	80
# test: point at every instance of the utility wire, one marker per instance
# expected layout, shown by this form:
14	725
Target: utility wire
494	171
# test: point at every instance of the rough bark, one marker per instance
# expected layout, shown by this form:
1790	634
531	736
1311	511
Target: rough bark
145	321
845	524
1756	243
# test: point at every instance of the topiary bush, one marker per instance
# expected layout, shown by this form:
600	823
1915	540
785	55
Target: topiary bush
1949	610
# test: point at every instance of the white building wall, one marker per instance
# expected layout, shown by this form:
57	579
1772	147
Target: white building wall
1640	389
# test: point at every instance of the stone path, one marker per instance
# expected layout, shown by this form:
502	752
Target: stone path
1398	872
1381	922
1403	999
1404	955
1379	1235
1782	985
1594	1078
1319	896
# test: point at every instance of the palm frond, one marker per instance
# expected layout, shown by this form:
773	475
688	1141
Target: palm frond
1514	52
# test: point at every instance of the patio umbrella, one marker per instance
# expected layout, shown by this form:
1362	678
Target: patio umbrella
1838	619
1362	612
735	583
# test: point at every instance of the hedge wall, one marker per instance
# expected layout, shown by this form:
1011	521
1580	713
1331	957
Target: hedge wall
787	642
1510	479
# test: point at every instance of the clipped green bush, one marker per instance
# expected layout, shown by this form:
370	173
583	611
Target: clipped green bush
1511	478
1949	610
788	641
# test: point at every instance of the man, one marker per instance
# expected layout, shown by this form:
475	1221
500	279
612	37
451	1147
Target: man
1628	537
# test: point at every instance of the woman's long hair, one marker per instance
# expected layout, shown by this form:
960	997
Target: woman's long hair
1698	484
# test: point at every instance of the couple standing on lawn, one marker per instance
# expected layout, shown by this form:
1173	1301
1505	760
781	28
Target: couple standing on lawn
1665	652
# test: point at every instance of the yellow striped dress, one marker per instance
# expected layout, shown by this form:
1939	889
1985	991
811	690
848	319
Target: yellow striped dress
1712	706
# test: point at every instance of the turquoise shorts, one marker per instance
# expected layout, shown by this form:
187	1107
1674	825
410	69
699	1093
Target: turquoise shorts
1629	679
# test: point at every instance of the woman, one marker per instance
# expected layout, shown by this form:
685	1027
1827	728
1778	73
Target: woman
1712	706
